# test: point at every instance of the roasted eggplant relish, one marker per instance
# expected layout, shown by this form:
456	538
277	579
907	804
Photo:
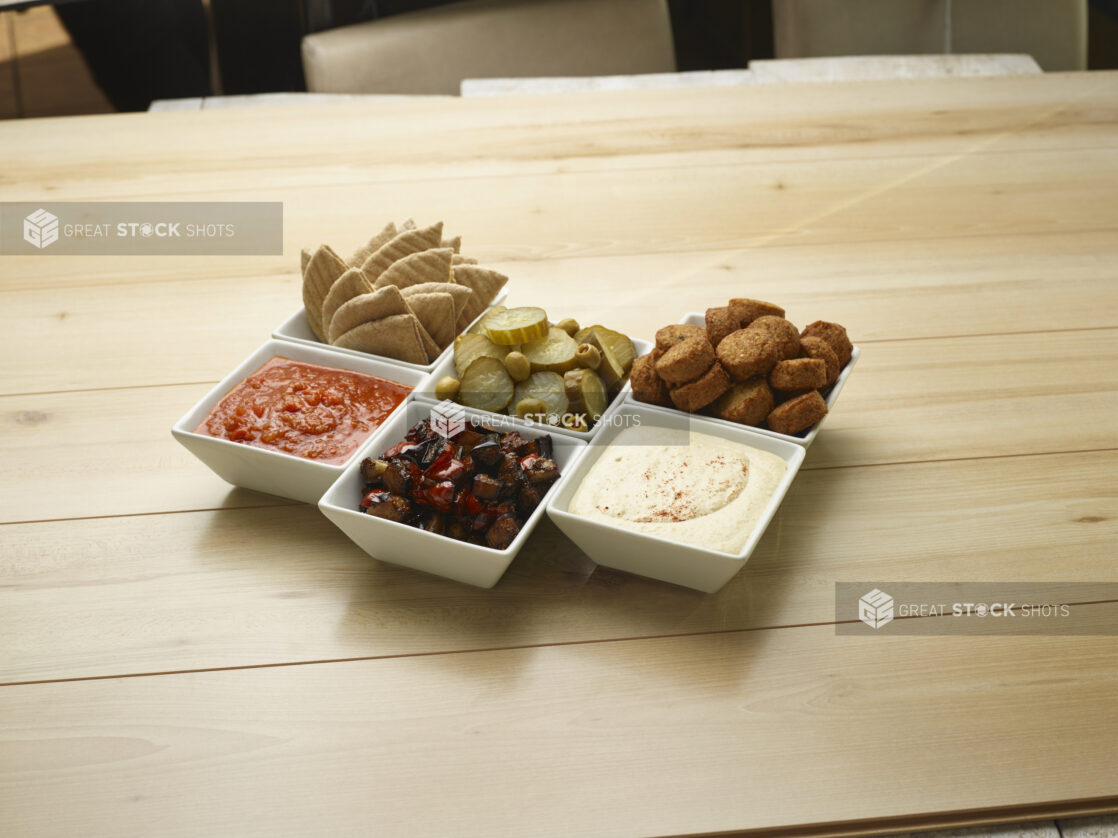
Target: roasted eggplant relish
479	485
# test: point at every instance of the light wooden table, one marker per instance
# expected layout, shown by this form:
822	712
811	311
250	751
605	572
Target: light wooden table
181	658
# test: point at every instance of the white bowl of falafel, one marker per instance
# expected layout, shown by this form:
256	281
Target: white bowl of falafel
745	363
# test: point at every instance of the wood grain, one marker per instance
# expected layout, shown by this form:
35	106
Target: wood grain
255	586
858	200
771	161
90	337
96	453
408	138
656	737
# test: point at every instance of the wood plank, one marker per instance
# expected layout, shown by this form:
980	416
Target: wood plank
975	397
495	135
902	404
690	735
88	337
804	279
94	453
888	291
725	206
786	187
255	586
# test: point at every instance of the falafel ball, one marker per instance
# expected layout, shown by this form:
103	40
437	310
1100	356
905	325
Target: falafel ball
812	347
783	332
747	402
703	390
647	386
747	310
798	414
835	335
669	336
686	361
720	322
747	352
799	374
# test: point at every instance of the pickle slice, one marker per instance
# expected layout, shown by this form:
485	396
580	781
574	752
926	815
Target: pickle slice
468	348
619	344
479	327
586	393
611	371
548	388
486	385
554	353
516	325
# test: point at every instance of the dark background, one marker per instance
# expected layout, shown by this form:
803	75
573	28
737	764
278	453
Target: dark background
709	34
258	41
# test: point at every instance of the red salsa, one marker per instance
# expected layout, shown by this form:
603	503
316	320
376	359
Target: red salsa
305	410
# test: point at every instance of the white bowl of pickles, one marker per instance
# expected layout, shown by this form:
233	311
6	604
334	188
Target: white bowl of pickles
517	362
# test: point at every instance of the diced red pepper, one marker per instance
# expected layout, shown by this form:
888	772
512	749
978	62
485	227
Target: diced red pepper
445	456
473	506
453	470
398	449
440	496
372	497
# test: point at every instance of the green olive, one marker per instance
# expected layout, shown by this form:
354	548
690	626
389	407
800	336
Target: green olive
588	356
575	422
447	388
530	407
518	365
568	325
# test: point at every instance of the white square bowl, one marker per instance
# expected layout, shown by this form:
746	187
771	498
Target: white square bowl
277	472
297	329
418	549
649	555
446	367
695	318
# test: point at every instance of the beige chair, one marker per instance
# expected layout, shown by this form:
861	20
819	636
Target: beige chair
434	50
1054	32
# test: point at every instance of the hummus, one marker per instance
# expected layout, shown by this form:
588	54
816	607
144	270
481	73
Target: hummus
710	493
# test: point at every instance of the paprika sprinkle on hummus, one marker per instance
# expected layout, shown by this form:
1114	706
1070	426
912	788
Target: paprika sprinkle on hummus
711	492
306	410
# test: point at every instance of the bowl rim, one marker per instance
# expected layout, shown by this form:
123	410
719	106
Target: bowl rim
577	448
794	460
184	428
277	334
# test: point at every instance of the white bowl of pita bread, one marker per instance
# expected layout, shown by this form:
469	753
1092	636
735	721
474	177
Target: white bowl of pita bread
402	296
